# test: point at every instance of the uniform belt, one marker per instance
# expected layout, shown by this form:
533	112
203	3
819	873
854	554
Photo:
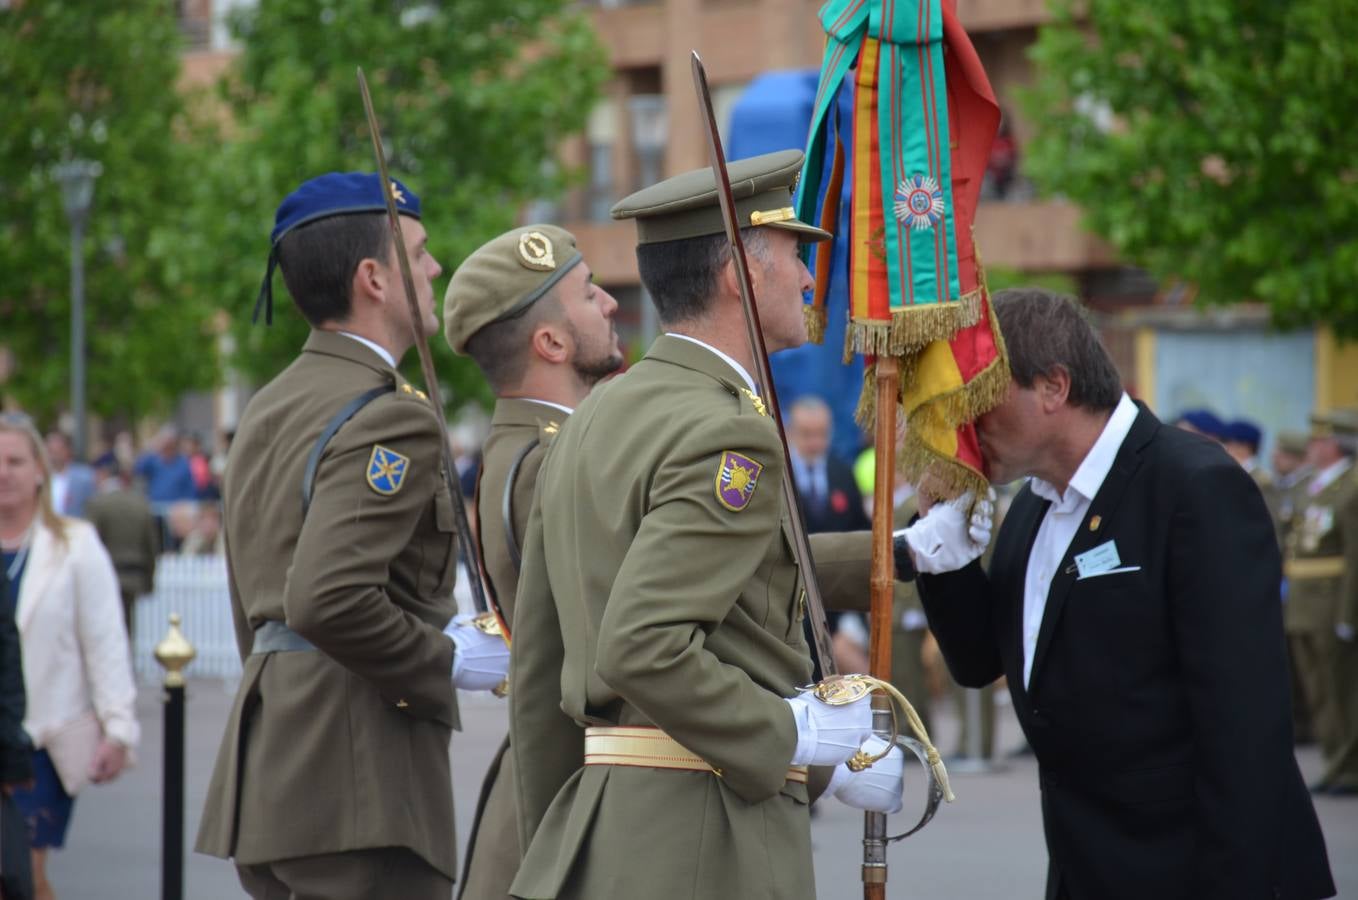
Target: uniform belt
275	637
1314	567
650	748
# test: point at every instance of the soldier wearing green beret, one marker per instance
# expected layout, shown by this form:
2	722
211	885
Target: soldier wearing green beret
660	742
1321	566
333	777
525	307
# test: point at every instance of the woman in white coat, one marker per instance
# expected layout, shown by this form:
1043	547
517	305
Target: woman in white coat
77	666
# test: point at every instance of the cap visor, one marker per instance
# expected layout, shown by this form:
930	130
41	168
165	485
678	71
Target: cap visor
805	233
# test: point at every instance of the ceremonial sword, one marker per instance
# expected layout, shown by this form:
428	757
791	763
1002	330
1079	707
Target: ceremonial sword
464	536
875	837
763	377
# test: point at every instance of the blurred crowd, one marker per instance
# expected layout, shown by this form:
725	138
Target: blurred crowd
173	478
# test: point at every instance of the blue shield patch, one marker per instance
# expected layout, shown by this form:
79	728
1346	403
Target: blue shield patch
387	470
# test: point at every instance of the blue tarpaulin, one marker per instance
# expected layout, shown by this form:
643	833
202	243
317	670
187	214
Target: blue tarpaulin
774	113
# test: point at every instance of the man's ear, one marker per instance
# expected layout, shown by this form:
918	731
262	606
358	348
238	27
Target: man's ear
730	276
1053	388
370	281
549	342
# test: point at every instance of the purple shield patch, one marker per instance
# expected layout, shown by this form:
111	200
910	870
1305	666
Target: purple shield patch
736	479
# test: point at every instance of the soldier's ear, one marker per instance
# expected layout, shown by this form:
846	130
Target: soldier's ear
369	281
551	343
728	278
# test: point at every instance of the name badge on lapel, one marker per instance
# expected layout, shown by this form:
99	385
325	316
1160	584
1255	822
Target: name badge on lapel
1101	559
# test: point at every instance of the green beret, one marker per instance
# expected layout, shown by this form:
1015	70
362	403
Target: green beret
1293	442
505	277
686	205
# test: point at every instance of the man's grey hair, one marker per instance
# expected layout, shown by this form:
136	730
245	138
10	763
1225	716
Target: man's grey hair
812	404
1044	332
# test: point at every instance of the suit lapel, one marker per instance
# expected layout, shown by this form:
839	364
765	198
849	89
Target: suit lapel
38	572
1103	509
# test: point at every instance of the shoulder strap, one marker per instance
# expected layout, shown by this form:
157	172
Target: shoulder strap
507	507
346	413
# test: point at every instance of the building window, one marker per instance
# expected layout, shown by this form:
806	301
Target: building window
600	135
649	130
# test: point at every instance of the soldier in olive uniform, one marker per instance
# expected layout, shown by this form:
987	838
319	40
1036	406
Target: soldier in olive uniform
1324	569
659	740
1319	564
1290	474
526	309
128	531
333	776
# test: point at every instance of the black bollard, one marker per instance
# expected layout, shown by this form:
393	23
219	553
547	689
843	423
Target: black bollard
174	652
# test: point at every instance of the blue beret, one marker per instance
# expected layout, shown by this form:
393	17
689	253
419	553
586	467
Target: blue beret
338	194
1244	432
1204	421
325	196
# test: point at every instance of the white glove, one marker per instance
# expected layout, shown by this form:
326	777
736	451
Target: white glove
945	540
1344	632
876	789
480	660
828	735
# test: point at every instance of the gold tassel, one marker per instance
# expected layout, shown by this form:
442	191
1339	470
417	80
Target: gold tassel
814	316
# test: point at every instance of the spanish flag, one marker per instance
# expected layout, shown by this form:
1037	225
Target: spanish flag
914	152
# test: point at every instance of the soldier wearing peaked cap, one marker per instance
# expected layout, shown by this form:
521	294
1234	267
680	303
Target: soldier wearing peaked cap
660	744
525	307
333	775
1321	566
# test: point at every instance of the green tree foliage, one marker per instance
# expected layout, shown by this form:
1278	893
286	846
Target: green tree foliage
99	86
473	97
1210	141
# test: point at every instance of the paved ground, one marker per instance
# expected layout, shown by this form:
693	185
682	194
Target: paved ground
986	845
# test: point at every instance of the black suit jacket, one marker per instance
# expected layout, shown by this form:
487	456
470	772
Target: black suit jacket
842	509
1158	706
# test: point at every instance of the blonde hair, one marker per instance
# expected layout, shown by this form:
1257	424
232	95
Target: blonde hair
19	423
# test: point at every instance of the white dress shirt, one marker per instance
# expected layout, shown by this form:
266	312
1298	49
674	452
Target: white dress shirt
374	346
740	370
812	478
1063	519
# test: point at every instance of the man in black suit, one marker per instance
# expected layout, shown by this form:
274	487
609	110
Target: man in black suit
830	501
1133	604
830	497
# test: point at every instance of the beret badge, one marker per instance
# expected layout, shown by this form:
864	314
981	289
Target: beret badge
535	251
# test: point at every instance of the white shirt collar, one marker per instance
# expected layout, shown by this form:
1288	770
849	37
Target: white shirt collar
375	347
565	409
724	358
1088	478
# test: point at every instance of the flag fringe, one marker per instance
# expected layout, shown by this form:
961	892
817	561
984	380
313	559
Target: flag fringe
911	329
948	411
815	323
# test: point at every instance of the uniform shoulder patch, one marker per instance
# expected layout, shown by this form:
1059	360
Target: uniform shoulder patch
737	477
387	470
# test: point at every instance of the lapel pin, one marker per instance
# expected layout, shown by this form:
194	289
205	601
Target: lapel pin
1095	522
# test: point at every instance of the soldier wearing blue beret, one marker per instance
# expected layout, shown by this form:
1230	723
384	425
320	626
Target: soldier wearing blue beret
333	776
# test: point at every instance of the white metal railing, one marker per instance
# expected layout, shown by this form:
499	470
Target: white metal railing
195	587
